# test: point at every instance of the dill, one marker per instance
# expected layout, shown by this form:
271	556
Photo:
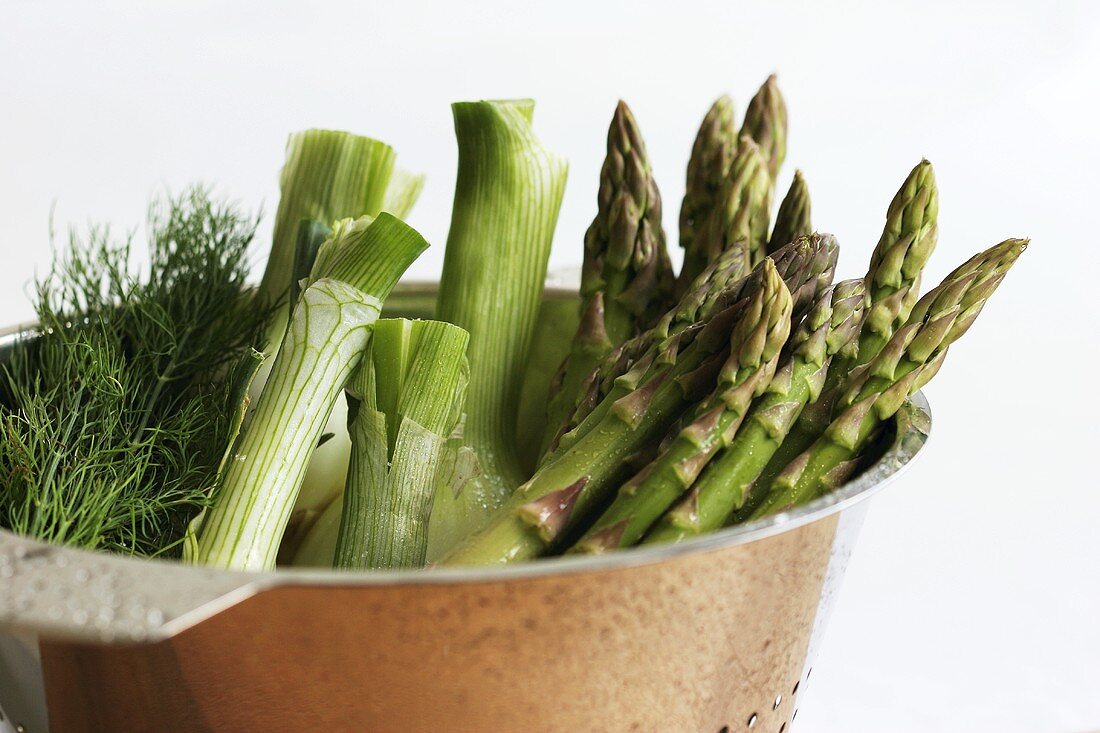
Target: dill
117	413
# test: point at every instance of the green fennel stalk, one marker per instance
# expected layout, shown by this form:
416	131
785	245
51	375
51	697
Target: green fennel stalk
507	196
404	401
327	335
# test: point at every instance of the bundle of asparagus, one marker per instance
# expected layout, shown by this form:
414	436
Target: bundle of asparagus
745	384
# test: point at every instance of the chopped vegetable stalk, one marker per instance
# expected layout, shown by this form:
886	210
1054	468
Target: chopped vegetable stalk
875	391
402	193
327	334
507	197
328	175
626	278
405	399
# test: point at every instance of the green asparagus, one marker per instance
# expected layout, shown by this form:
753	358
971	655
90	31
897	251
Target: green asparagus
755	342
766	123
793	218
893	283
711	155
876	390
829	329
626	279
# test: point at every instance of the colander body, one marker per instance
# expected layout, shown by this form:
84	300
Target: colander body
714	634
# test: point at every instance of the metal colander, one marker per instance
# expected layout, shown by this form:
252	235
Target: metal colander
715	634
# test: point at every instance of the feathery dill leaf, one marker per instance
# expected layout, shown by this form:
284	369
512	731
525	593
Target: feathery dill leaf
117	414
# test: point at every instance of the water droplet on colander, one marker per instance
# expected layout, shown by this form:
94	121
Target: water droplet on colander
82	575
155	616
20	552
80	617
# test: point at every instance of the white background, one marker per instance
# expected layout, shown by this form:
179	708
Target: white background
972	602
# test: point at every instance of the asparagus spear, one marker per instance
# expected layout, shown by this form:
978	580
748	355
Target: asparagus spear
739	217
755	342
354	272
644	403
626	280
829	329
893	278
807	267
875	391
711	155
403	402
893	282
766	123
793	217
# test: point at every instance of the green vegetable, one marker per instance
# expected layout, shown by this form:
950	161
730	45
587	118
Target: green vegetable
404	400
829	328
507	196
116	415
893	282
806	265
758	334
328	175
626	279
673	373
766	123
876	390
739	219
711	155
793	218
354	271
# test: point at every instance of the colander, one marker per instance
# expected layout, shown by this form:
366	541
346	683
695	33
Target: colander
713	635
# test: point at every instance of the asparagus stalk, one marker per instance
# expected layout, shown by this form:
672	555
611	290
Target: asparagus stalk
893	278
755	342
893	282
328	331
403	402
507	197
626	280
807	267
766	123
645	402
830	328
696	305
876	390
739	218
711	155
793	218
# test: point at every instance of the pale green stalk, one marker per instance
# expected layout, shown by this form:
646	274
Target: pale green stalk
404	401
323	343
403	191
507	197
328	175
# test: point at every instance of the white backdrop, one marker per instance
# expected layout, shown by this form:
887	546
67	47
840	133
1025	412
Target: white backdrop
972	600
